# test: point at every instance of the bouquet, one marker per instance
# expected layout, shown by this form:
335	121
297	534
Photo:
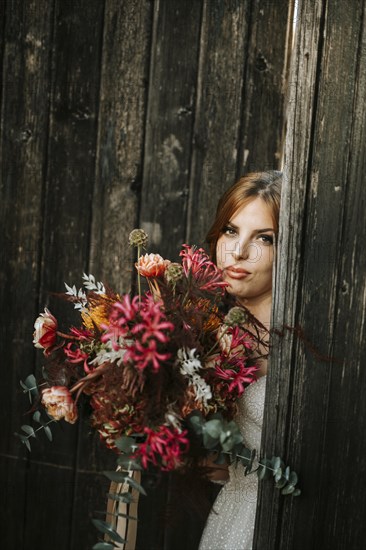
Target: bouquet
162	370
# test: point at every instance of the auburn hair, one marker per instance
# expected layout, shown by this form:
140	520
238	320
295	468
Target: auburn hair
266	185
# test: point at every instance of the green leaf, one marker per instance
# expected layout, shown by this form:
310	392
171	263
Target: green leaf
281	483
213	428
276	462
278	474
128	463
296	493
135	485
287	473
288	490
107	528
293	478
48	432
125	444
197	423
121	497
24	440
208	441
37	417
118	477
28	430
103	546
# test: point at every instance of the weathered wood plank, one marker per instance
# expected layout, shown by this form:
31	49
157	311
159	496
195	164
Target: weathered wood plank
238	121
320	409
125	68
26	37
172	89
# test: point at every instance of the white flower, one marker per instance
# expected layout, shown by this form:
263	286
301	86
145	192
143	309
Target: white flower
201	388
189	364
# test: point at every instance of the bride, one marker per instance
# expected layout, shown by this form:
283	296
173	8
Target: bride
242	244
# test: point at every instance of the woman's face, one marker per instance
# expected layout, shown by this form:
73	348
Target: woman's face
245	253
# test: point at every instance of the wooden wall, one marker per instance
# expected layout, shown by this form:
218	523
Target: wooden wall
113	115
315	410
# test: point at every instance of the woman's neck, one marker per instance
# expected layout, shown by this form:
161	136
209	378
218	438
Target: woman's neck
260	308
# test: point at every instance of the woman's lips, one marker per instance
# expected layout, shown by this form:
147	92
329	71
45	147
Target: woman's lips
236	272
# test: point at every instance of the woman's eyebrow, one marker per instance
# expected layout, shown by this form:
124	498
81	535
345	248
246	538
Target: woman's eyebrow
263	230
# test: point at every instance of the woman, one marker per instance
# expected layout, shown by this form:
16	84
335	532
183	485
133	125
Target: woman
242	244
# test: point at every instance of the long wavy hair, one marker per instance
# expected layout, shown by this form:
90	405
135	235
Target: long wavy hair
266	185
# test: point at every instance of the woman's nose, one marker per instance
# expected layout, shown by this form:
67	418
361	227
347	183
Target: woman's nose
241	251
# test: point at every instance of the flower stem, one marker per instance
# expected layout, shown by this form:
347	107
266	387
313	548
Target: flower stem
138	273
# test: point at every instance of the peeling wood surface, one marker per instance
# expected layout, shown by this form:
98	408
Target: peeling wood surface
113	115
315	410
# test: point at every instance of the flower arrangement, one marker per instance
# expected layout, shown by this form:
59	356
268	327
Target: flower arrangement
161	370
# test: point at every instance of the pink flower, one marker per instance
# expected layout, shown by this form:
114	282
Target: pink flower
151	265
123	312
44	335
237	378
76	356
164	446
153	322
59	404
206	274
144	356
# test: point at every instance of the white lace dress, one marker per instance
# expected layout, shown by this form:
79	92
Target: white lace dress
230	525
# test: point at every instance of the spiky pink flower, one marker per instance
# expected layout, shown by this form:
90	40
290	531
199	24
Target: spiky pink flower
153	322
237	377
145	355
76	356
164	447
196	263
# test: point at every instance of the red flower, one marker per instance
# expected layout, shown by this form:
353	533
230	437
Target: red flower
206	274
237	378
44	335
153	322
163	447
144	356
76	356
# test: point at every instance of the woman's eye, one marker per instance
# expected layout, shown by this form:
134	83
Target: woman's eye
227	230
267	239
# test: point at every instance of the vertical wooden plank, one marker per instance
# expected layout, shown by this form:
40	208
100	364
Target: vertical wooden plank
119	158
323	199
125	70
238	120
26	37
172	90
65	245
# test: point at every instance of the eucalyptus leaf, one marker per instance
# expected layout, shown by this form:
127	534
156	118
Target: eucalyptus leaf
37	417
125	444
288	490
128	463
118	477
48	432
127	498
276	462
296	493
293	478
281	483
135	485
208	441
107	528
24	440
28	430
104	546
214	428
278	474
